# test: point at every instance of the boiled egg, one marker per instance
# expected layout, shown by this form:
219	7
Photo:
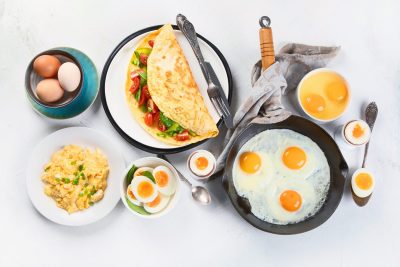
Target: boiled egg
158	204
144	189
132	197
49	90
165	180
357	132
202	163
46	66
362	183
139	171
69	76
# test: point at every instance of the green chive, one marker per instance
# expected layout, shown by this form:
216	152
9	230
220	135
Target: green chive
91	203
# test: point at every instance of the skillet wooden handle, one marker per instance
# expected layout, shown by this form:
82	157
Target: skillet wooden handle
267	47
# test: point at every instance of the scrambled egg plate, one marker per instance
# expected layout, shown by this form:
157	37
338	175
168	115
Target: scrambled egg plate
76	177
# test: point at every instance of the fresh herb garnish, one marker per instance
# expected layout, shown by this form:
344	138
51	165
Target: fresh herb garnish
75	181
131	172
91	203
136	208
81	167
73	162
66	180
166	121
58	180
47	168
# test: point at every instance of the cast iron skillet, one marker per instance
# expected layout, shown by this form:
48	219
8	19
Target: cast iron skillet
338	172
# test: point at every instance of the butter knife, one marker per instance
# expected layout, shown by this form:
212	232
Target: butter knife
214	90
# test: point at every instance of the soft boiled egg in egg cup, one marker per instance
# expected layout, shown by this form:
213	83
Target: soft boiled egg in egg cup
150	199
323	95
362	186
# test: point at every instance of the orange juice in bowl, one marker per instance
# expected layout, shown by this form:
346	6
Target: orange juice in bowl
323	95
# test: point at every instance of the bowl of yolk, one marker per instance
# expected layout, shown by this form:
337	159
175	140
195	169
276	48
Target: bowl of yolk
323	95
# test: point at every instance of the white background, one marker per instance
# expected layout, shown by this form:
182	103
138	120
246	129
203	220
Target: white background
192	235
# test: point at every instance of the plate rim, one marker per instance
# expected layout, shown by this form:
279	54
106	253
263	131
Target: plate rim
29	190
121	132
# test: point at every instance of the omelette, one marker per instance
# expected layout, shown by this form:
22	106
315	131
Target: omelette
162	93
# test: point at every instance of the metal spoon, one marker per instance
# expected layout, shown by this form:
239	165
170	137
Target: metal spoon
371	112
199	193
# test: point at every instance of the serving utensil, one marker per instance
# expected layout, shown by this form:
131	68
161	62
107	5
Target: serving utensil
266	43
214	90
199	193
371	113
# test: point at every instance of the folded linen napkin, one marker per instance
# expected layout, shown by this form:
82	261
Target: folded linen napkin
264	104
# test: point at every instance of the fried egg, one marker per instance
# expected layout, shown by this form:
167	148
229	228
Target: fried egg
144	189
157	205
284	175
165	180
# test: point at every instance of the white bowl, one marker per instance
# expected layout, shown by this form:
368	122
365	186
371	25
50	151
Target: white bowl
84	137
150	162
304	110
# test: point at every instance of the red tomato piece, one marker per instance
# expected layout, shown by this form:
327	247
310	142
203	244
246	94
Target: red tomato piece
183	136
142	98
134	74
143	59
135	85
151	106
145	91
151	43
148	119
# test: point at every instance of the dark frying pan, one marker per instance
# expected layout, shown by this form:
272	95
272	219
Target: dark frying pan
338	172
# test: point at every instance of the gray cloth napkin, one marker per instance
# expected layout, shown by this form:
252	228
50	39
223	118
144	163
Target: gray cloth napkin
264	104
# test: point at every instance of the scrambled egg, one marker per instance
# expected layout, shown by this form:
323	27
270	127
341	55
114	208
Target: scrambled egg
75	177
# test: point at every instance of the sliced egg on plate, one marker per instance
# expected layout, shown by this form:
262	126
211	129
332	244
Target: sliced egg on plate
132	197
158	204
165	180
144	189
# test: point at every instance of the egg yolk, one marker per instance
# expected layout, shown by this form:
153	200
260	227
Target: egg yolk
201	163
336	91
294	158
364	181
250	162
155	202
145	189
161	178
358	131
314	103
290	200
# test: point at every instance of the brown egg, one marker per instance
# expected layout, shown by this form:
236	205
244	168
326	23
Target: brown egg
46	66
49	90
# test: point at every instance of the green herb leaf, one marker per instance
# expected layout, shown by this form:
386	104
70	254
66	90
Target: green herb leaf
131	172
149	175
137	95
81	167
75	181
58	180
191	133
166	121
143	108
73	162
136	208
174	129
91	203
143	50
161	134
47	168
66	180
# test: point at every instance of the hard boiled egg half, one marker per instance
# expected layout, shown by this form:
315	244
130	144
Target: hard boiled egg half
158	204
144	189
165	180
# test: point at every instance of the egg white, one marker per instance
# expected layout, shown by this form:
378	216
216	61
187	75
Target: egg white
170	188
134	187
163	203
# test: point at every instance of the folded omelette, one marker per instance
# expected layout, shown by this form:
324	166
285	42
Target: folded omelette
162	93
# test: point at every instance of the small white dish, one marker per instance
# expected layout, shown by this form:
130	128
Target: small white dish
150	162
207	172
42	153
313	72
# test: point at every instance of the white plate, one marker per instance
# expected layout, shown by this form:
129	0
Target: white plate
113	88
42	153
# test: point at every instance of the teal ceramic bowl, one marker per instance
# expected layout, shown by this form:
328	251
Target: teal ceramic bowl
72	104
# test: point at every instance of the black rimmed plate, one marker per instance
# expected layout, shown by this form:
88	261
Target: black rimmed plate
112	88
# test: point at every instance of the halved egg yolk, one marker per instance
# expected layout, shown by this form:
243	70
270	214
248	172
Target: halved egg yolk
161	178
294	157
250	162
290	200
364	181
336	91
155	202
358	131
201	163
145	189
314	103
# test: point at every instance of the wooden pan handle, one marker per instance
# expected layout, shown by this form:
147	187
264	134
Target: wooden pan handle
267	47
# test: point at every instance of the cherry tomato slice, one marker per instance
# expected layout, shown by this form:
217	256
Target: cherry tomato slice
142	98
161	126
148	119
135	85
145	91
134	74
151	43
143	59
183	136
151	106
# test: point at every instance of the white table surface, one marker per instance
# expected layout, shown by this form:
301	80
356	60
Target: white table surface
192	235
